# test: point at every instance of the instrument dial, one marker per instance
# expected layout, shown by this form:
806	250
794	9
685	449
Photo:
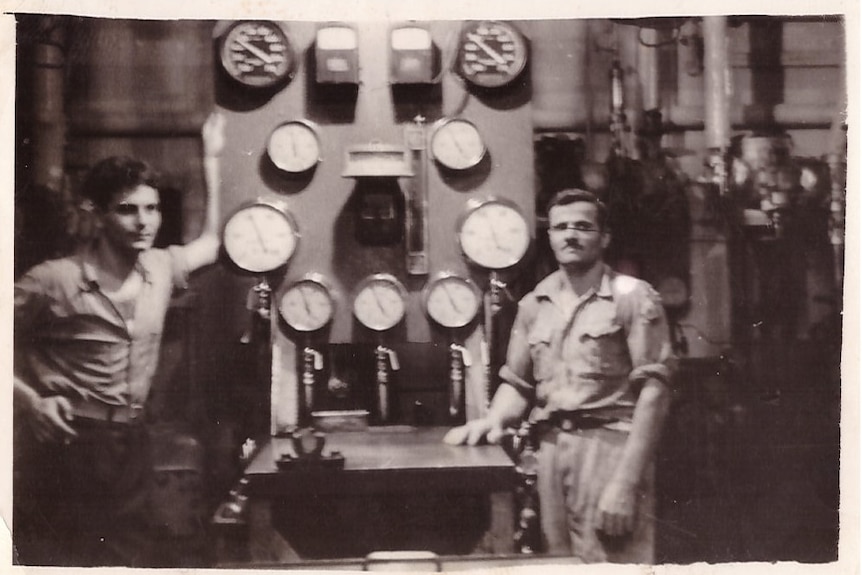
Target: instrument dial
380	302
260	237
456	144
492	54
452	301
494	234
257	54
307	305
294	146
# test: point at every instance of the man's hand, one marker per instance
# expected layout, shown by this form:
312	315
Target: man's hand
212	134
48	418
616	511
473	432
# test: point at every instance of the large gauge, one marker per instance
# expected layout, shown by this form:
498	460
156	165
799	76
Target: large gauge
294	146
452	301
257	54
260	237
380	302
307	304
492	54
456	144
494	234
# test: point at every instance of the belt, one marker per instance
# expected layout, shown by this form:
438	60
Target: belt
123	414
574	420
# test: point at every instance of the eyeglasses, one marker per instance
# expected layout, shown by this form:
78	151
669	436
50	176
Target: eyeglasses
579	227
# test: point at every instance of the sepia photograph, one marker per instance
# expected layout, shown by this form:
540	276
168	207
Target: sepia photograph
363	286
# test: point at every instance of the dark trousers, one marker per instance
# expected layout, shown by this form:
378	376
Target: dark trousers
85	503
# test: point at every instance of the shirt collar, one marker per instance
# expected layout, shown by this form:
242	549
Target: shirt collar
556	282
90	279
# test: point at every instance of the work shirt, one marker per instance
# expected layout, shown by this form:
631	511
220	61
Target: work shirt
592	357
72	340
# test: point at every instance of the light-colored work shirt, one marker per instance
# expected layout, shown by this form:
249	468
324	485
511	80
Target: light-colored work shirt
590	355
72	340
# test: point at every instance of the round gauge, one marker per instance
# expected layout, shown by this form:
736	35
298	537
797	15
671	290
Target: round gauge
452	301
294	147
492	54
380	302
307	304
256	54
260	237
457	144
494	234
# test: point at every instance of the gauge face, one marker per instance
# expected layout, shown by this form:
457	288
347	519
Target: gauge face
452	301
257	54
457	144
260	237
494	235
492	54
307	305
294	147
380	302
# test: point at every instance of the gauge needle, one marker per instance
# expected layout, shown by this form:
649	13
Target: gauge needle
487	49
258	233
267	59
458	145
305	302
379	304
451	299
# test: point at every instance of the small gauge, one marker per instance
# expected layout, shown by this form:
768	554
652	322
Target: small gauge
492	54
380	302
257	54
456	144
294	146
494	234
260	237
452	301
307	304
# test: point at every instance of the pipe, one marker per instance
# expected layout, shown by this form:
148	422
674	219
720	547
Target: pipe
716	82
647	67
49	135
559	76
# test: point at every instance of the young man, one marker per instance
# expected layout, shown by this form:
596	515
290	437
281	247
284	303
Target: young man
87	334
590	353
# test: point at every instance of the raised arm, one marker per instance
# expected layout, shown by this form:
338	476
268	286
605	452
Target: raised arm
204	250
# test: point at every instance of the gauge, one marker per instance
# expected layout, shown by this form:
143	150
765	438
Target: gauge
492	54
380	302
260	237
294	146
452	301
494	234
307	304
456	144
257	54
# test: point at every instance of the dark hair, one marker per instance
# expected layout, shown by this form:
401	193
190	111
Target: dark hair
114	175
572	195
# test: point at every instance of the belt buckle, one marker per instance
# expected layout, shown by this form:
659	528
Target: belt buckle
566	424
135	411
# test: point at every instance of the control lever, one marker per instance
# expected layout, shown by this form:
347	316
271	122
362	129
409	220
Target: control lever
459	359
258	303
387	360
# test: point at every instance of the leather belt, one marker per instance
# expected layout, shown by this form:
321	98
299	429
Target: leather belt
573	420
96	411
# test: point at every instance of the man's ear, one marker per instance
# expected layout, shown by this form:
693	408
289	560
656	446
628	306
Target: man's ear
606	240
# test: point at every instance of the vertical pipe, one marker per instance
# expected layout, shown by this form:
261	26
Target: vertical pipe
647	67
717	82
49	135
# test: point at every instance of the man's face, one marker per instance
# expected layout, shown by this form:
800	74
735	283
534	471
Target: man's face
575	236
132	219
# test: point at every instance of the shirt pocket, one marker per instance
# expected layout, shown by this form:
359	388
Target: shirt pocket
541	353
603	346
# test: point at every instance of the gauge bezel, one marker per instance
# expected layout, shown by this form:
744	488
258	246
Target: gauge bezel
305	125
319	282
437	280
282	76
444	124
493	80
473	206
384	278
278	207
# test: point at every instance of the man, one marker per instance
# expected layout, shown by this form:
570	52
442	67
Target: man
87	334
590	352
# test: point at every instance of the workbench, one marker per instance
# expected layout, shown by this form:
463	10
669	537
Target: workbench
401	488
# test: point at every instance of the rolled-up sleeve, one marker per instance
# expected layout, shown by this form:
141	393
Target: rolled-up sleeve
518	369
649	339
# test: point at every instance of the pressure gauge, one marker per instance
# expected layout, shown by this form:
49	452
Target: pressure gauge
452	301
257	54
307	304
294	146
494	234
456	144
260	237
492	54
380	302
